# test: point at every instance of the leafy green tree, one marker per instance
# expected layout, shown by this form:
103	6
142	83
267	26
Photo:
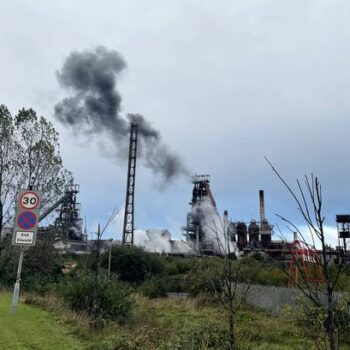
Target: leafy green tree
9	165
29	155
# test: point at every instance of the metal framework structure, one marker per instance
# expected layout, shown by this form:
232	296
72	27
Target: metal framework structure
343	226
201	189
193	229
68	224
305	265
128	230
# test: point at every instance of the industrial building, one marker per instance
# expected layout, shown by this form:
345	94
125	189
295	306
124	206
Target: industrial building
243	236
205	232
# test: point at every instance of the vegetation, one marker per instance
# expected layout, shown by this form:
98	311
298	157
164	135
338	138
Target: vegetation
100	298
222	282
133	265
122	313
312	318
181	323
33	328
42	268
154	287
29	155
322	297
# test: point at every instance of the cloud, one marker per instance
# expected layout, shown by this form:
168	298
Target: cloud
226	82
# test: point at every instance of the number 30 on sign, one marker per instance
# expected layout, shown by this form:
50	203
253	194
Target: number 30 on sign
29	200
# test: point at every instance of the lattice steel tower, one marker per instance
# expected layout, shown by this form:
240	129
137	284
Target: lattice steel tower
128	231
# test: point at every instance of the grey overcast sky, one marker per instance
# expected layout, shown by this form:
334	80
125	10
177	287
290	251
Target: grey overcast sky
226	82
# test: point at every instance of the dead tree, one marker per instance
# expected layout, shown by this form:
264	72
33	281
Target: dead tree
321	295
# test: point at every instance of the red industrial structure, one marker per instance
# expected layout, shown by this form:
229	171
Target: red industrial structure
305	264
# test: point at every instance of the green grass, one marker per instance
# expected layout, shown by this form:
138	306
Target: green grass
32	329
162	324
256	329
176	324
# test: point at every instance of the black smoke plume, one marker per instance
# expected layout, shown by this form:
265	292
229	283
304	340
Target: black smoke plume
94	104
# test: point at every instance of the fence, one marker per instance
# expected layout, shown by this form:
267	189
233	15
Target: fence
273	299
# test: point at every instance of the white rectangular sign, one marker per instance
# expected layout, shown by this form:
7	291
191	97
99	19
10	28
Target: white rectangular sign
24	238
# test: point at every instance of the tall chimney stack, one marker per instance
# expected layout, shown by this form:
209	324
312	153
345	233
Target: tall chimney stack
262	205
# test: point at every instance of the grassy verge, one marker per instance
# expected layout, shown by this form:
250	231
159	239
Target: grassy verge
32	328
181	324
162	324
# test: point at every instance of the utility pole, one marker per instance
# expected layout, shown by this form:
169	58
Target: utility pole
128	230
109	258
226	233
97	269
98	250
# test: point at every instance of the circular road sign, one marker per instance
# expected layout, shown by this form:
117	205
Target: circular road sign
29	200
27	220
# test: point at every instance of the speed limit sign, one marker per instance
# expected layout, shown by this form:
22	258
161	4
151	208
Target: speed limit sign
27	218
29	200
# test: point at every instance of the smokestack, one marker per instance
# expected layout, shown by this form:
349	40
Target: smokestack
262	205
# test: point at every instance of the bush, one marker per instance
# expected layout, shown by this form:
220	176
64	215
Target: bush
133	264
40	284
178	265
108	299
42	265
311	319
154	287
178	284
263	272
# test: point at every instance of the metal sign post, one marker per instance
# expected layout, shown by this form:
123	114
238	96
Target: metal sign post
25	230
18	281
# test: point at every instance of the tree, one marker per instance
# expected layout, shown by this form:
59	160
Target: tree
322	296
9	166
29	155
223	277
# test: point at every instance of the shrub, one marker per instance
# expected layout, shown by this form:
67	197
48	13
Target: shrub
311	319
42	265
178	284
154	287
178	265
107	299
263	272
133	264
